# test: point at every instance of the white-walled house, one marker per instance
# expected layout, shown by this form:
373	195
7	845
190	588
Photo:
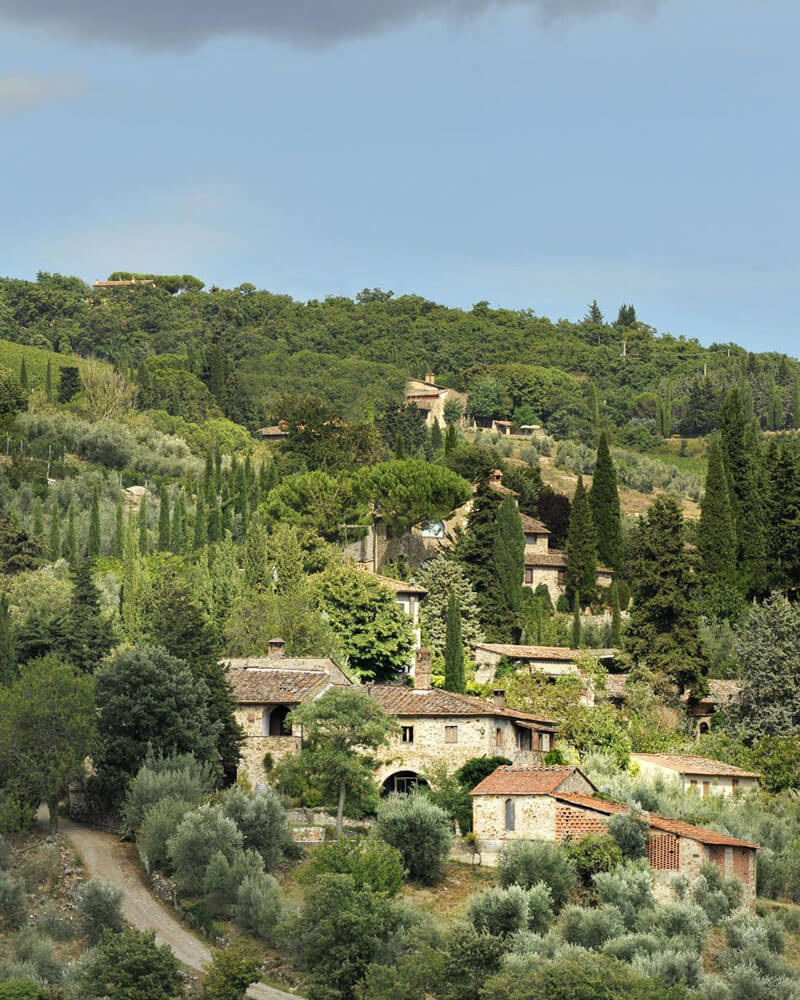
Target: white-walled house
698	774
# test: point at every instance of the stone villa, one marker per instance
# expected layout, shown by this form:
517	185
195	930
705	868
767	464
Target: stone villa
547	566
555	803
431	398
698	774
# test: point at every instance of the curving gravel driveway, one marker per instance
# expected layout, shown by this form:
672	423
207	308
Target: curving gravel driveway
104	856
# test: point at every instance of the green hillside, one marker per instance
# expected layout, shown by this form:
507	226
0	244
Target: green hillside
36	359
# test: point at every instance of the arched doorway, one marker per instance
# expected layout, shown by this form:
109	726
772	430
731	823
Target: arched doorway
274	721
402	782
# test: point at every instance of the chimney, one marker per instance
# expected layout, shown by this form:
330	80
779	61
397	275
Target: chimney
496	477
422	670
430	378
499	698
277	648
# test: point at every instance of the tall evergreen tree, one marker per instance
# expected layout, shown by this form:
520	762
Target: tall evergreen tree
662	631
94	526
37	529
594	315
178	529
71	540
200	526
475	551
450	439
509	564
604	501
577	627
54	534
164	539
594	406
783	510
437	441
796	403
23	376
84	637
214	522
582	547
144	534
454	677
716	537
134	584
119	530
616	617
775	409
48	383
8	657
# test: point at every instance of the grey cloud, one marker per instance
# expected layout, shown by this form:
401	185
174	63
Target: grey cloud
177	23
25	91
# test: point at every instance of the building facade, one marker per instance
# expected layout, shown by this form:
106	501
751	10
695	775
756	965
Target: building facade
698	774
431	398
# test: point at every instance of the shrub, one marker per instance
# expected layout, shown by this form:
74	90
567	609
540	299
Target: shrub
632	834
180	777
231	971
160	823
540	908
718	896
418	829
590	928
629	888
21	989
680	919
499	911
223	877
527	862
371	862
12	902
132	966
4	854
258	905
627	947
98	908
36	951
744	930
262	821
54	924
593	853
672	967
200	835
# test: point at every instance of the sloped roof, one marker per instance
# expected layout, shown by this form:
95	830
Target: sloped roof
686	763
510	780
719	692
676	826
260	686
399	586
531	526
543	652
555	557
398	700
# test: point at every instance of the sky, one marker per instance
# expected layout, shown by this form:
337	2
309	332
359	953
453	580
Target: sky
533	153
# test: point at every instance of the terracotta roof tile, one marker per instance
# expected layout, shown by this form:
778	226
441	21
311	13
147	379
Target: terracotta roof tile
555	557
399	700
510	780
399	586
265	686
543	652
690	764
533	527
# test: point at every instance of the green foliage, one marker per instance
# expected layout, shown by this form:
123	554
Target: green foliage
441	577
454	679
370	862
509	564
131	966
22	989
593	853
529	862
321	504
159	824
98	908
628	888
258	905
230	973
407	492
12	902
476	769
420	830
589	928
604	501
200	835
8	655
180	777
262	821
499	911
632	834
582	547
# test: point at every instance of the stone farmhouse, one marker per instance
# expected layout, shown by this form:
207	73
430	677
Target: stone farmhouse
547	566
430	397
721	694
556	803
552	661
698	774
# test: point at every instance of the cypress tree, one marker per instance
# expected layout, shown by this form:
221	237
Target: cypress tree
716	533
84	637
164	540
8	657
577	627
54	537
94	526
582	547
119	531
775	409
71	541
783	508
133	584
450	439
218	470
200	527
23	375
178	530
399	446
796	403
475	551
226	511
214	522
509	563
604	501
437	441
616	617
48	383
539	623
594	406
454	678
38	523
144	534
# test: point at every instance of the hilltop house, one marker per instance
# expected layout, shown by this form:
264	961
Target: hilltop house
699	774
556	803
552	661
547	566
430	397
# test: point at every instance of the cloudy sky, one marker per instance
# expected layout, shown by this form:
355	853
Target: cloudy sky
535	153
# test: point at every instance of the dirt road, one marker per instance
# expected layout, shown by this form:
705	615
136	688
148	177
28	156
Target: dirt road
105	857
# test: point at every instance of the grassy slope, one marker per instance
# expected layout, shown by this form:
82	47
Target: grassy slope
36	359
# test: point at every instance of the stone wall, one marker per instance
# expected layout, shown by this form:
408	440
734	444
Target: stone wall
535	819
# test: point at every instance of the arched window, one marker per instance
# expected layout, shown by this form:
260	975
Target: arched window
278	725
511	815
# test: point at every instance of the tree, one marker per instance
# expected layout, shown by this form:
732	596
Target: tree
94	526
403	421
48	383
554	510
485	400
662	630
12	396
54	534
321	504
231	971
453	413
83	635
119	530
70	549
616	617
796	402
420	830
593	315
775	416
441	577
144	534
373	629
716	535
8	654
577	628
106	391
475	551
406	492
69	383
342	730
47	728
164	527
178	535
509	562
131	966
783	516
454	649
148	700
604	501
582	547
19	551
626	315
200	526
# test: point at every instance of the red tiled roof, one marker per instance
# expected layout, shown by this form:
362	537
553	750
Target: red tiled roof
531	526
510	780
555	557
399	700
676	826
690	764
399	586
265	686
543	652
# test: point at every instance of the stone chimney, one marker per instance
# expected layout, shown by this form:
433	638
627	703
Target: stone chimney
496	477
499	698
422	670
277	648
430	378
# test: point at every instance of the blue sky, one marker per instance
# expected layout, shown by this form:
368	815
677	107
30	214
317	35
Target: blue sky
631	151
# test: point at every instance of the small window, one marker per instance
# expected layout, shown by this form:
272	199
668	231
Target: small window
529	574
511	815
408	734
734	785
562	578
692	783
544	742
451	734
524	739
498	737
706	789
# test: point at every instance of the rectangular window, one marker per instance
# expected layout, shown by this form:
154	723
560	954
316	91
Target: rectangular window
498	737
706	789
529	574
511	817
544	742
562	578
524	739
451	734
734	785
408	734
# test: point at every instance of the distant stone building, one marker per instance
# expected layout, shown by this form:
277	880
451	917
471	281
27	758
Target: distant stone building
430	397
556	803
698	774
547	566
552	661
